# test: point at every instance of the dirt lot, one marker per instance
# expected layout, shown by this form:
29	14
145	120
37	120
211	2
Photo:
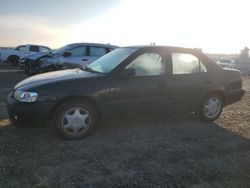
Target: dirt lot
157	151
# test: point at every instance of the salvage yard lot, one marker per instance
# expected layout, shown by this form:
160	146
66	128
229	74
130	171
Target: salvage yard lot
144	151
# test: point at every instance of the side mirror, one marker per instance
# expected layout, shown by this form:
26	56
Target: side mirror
127	72
66	54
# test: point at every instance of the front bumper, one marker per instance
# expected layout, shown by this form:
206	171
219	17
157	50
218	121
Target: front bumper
28	112
234	95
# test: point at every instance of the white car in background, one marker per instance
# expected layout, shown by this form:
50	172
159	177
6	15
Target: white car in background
227	63
75	55
13	55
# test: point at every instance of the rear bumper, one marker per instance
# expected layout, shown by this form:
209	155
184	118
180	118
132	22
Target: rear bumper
234	95
28	112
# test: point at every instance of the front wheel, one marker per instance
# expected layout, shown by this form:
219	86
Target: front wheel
13	60
211	108
75	120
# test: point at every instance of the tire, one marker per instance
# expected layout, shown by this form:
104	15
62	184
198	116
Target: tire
13	60
211	108
75	119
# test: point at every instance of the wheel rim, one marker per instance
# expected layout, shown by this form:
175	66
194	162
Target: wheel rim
212	107
75	121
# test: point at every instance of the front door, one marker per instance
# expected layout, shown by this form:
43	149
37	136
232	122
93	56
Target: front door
78	57
145	92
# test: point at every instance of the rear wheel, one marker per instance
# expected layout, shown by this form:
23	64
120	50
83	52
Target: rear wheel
211	108
75	120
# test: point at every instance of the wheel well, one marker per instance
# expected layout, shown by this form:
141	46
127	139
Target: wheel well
75	98
220	93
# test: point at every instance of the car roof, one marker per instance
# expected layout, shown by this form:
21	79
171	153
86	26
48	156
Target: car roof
94	44
165	47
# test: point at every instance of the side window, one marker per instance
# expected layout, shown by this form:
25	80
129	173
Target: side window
44	49
21	48
148	64
186	64
78	51
97	51
34	48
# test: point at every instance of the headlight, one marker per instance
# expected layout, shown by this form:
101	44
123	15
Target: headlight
25	96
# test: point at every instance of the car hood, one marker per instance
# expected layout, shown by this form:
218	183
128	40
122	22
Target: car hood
55	76
35	56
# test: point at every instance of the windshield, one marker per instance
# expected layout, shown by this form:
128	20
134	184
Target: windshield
61	50
108	62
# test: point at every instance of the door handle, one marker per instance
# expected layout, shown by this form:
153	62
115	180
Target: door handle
84	59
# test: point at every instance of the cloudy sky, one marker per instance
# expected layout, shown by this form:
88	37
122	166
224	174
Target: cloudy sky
216	26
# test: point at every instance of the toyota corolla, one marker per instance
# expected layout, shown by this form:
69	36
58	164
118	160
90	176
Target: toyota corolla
129	80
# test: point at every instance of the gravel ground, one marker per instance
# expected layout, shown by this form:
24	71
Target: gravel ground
144	151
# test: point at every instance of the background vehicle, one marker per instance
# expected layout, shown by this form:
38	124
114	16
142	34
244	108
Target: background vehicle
227	63
13	55
70	56
132	80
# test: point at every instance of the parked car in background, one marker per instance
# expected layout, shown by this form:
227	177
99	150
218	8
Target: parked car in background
129	80
14	55
70	56
227	63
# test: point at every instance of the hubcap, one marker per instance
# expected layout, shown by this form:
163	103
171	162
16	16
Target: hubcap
75	121
212	107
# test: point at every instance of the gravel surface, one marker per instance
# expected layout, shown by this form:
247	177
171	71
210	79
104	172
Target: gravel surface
144	151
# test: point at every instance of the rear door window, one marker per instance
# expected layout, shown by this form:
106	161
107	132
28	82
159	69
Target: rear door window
97	51
184	63
34	48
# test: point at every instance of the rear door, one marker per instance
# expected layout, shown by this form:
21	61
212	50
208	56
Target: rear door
189	80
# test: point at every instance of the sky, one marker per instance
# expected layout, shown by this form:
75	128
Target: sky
215	26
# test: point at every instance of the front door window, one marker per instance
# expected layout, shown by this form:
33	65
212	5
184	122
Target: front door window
148	64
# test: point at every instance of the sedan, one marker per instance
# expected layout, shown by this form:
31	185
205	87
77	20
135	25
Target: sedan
127	81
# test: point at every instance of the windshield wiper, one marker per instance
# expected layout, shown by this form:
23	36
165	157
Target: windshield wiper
88	69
